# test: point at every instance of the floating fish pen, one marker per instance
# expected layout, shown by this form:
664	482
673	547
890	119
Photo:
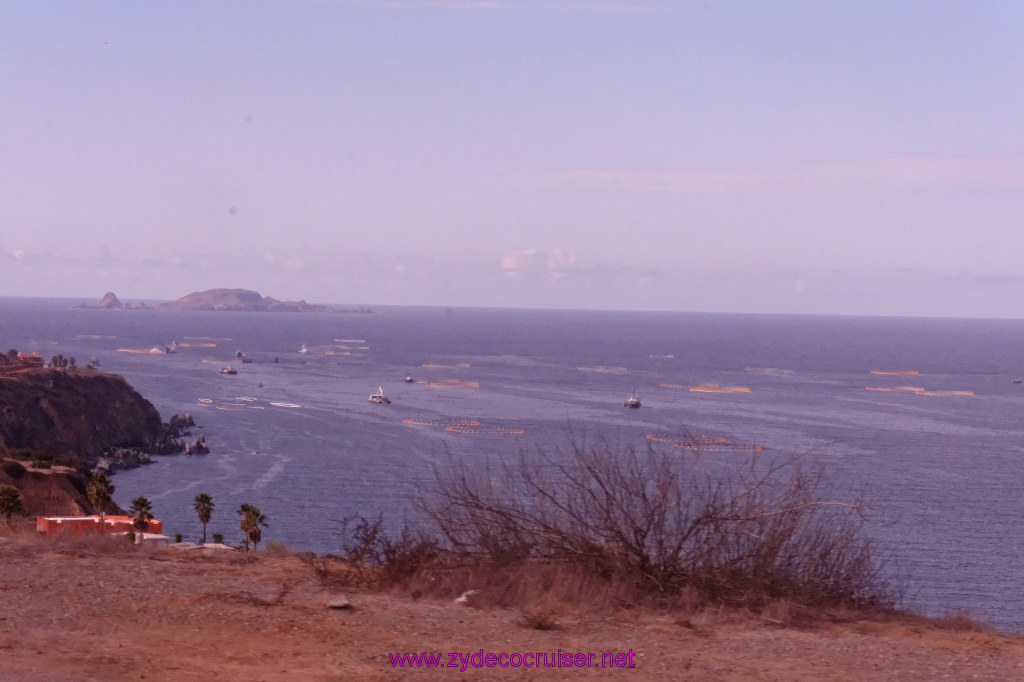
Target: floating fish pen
465	425
894	371
708	388
917	390
771	371
449	383
704	443
443	423
896	389
604	369
699	439
486	429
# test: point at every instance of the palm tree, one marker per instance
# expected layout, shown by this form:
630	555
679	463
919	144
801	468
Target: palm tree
252	519
204	510
141	512
100	492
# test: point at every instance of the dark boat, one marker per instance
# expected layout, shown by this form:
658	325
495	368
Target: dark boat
632	402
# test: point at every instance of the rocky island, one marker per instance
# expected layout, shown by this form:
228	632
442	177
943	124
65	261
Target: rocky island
232	300
110	301
239	300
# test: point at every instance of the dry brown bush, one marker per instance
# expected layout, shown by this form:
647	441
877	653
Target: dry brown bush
624	527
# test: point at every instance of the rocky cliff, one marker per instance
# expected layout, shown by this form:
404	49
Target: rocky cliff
81	413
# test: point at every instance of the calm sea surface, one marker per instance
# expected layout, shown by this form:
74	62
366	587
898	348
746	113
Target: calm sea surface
299	439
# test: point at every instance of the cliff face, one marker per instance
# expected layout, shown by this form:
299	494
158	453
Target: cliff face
238	300
54	493
78	412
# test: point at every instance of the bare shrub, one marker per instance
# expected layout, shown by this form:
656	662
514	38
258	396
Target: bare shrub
276	548
373	558
540	618
654	526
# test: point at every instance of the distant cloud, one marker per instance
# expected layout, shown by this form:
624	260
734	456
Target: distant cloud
555	263
899	174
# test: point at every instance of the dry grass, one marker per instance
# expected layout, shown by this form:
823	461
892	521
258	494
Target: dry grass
129	614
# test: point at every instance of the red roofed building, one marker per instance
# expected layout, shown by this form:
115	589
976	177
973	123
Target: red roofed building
90	525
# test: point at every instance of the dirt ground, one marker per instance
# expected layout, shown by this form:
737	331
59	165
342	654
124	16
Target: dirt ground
74	610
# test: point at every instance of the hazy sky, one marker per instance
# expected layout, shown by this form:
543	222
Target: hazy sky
820	157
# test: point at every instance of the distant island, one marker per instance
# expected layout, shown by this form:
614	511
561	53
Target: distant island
110	301
239	300
233	300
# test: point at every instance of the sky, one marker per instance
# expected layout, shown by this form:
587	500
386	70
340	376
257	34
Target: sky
744	156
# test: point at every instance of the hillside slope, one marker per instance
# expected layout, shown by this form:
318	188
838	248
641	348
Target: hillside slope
169	615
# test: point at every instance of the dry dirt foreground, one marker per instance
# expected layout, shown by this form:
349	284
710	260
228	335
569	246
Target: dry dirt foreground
80	612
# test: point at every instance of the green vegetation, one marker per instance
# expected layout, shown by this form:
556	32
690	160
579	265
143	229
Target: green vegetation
13	469
100	492
203	506
10	502
141	511
252	520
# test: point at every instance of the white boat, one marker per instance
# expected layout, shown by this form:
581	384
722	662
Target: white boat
379	398
304	349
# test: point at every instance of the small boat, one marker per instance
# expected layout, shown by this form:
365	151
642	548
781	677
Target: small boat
409	380
228	370
632	402
379	398
304	349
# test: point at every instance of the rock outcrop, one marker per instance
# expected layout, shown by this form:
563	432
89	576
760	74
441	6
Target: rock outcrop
110	302
198	446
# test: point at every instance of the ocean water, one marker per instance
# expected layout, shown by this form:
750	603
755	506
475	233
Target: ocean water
299	439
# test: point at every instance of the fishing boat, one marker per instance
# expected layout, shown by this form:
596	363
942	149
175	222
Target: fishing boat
304	349
228	370
409	379
379	398
632	402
